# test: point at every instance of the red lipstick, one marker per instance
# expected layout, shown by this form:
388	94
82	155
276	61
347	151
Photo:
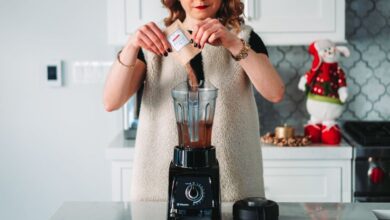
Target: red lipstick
201	7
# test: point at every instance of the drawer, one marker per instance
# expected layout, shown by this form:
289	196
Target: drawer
303	184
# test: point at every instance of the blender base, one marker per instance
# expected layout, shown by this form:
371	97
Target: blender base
194	190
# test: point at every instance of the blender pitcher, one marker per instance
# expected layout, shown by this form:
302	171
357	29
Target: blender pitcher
194	110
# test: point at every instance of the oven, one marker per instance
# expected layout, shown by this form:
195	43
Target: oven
371	159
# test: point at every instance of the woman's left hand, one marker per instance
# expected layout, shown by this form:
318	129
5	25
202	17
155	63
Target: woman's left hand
213	32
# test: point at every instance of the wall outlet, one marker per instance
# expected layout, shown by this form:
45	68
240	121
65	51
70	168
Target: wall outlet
90	72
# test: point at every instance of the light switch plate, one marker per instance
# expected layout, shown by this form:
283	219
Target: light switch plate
54	73
90	72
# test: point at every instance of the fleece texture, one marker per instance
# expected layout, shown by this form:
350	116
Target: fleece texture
235	131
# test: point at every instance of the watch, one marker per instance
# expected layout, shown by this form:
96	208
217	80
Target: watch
243	52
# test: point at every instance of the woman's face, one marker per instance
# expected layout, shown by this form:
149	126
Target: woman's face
201	9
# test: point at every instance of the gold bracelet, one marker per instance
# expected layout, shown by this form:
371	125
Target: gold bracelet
244	51
119	60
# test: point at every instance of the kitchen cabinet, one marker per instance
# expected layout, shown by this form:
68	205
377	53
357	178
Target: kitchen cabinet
278	22
288	181
125	16
307	181
121	180
317	173
297	22
120	153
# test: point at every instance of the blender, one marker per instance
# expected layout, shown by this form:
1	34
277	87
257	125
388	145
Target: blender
194	190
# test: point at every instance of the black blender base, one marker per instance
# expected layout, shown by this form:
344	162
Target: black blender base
194	191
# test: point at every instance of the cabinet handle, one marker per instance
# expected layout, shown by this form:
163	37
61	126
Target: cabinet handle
250	9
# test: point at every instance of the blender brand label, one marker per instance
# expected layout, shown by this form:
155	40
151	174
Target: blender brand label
178	40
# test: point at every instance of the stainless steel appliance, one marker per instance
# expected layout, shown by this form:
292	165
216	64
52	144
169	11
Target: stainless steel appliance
371	159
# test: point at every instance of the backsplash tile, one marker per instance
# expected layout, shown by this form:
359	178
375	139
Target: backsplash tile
367	70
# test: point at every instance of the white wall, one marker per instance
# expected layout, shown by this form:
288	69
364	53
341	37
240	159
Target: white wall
52	140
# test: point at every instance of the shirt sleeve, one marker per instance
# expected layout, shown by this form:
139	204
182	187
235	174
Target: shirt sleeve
141	56
257	44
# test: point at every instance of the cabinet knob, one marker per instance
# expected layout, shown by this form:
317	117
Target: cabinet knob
376	175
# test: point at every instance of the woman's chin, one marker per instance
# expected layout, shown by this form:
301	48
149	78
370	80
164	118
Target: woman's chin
201	15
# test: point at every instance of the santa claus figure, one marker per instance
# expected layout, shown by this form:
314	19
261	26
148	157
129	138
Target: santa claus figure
326	90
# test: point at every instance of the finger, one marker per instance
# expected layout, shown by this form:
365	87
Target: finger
149	45
206	34
144	42
214	37
157	31
204	28
196	27
153	38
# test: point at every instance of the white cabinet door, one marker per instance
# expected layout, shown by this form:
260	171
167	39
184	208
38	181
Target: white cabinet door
299	184
282	22
139	12
125	16
121	172
307	180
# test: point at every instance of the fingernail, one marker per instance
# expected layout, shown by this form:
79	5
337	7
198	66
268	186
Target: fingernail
195	44
165	54
169	50
191	41
199	46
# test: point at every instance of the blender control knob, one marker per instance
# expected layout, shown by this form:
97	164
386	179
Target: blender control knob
194	192
376	175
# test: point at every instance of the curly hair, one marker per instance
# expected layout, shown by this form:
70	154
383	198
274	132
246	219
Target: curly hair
230	13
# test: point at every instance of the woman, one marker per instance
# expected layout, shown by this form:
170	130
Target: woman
217	27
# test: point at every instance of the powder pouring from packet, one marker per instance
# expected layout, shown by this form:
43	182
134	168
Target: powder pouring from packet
180	40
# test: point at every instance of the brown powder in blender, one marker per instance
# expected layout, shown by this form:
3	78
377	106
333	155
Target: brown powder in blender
192	79
204	140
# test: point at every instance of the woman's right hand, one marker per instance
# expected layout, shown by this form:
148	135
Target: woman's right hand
151	38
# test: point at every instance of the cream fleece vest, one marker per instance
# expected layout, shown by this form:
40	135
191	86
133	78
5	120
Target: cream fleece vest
235	131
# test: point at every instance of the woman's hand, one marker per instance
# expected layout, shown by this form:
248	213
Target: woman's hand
150	37
213	32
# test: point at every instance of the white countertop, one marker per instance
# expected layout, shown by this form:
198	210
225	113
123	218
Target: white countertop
121	149
157	211
311	152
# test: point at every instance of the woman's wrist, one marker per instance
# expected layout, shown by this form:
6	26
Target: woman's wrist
131	47
235	46
127	54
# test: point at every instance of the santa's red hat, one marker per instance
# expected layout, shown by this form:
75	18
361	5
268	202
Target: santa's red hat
317	59
316	47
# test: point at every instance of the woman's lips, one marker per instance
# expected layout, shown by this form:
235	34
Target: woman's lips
201	7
